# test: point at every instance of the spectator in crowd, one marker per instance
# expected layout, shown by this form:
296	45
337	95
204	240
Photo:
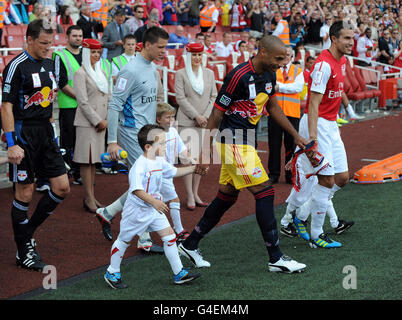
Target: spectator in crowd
194	13
243	50
75	7
199	38
135	21
224	48
195	94
224	12
92	86
153	21
238	13
183	8
169	13
113	35
398	57
252	46
121	4
209	47
296	30
155	4
63	18
307	68
37	11
324	31
314	22
282	28
365	48
257	17
209	16
178	37
386	49
88	24
394	39
244	36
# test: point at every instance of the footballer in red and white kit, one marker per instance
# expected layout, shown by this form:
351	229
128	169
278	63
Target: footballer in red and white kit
318	123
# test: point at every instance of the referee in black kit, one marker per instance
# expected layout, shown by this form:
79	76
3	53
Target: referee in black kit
29	88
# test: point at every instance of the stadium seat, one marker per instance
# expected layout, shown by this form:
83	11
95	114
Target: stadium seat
15	41
13	30
2	65
8	58
375	94
59	39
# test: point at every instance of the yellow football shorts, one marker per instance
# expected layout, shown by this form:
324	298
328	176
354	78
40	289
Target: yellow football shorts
241	166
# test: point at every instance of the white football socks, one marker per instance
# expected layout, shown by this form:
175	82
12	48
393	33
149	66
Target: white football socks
116	255
318	208
171	253
175	215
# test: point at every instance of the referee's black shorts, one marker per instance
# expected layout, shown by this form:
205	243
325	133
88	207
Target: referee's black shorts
42	156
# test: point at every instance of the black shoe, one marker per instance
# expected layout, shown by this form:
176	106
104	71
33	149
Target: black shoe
106	228
289	231
35	251
29	259
343	226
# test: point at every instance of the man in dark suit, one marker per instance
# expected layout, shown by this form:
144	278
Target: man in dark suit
153	21
114	33
89	25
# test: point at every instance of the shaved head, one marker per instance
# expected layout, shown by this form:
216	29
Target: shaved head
271	53
271	42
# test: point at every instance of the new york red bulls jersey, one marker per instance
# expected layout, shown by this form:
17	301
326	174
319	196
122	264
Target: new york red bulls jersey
243	97
30	85
327	78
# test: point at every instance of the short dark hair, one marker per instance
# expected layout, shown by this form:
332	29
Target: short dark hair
73	27
136	7
153	34
145	135
129	37
35	27
336	27
120	12
309	58
199	34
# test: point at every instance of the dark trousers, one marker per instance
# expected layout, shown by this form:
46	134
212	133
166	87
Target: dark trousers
275	134
67	138
205	29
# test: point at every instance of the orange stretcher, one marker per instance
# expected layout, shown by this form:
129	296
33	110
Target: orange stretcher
387	170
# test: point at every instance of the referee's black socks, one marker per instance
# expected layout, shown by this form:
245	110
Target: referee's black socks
213	213
45	207
19	219
264	211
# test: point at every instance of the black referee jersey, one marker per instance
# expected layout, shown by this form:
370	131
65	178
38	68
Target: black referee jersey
30	85
243	98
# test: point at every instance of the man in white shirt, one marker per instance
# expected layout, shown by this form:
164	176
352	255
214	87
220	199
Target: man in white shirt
224	48
135	22
324	31
365	48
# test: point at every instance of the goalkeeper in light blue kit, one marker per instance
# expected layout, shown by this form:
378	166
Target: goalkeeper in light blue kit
133	105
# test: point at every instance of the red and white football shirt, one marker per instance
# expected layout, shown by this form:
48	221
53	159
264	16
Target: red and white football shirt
327	77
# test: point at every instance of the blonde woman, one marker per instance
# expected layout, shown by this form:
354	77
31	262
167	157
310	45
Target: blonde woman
92	86
195	94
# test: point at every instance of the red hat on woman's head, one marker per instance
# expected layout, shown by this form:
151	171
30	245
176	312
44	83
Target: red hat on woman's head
138	47
195	47
91	44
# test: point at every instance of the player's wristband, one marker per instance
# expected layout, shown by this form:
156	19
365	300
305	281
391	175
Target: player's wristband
11	138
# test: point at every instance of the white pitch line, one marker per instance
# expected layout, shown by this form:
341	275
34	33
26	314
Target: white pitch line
369	160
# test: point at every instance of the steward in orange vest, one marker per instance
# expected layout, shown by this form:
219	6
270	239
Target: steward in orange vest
100	15
206	21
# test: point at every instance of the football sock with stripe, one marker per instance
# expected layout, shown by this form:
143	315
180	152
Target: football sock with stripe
19	218
117	251
212	214
171	253
46	205
333	218
264	203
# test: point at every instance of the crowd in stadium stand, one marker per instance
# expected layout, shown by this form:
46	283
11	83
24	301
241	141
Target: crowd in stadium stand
377	23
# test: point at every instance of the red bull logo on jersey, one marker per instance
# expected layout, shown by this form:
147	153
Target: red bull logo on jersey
43	98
